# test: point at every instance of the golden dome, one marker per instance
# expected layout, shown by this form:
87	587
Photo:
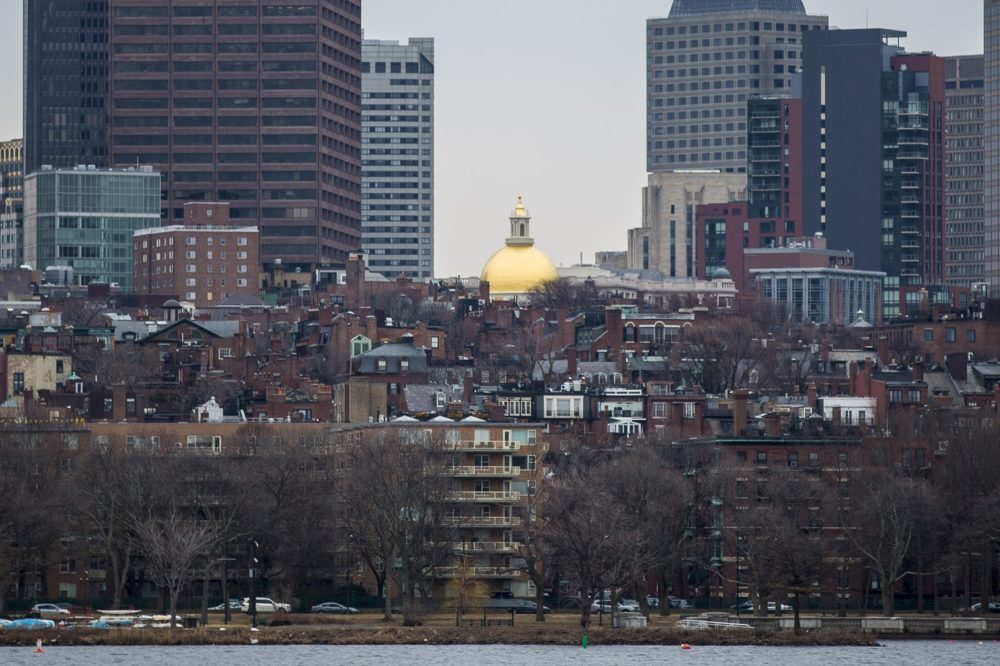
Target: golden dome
518	269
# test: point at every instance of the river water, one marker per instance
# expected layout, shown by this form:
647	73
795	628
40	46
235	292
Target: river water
960	653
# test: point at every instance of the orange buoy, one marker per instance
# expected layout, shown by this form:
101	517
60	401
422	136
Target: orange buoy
38	646
685	646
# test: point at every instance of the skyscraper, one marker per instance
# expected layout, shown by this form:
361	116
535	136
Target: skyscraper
703	62
991	145
964	170
249	102
11	203
873	128
65	83
397	157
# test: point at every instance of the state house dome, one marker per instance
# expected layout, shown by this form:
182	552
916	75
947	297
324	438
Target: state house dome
519	267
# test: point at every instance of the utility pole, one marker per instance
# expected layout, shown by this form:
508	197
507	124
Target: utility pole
253	583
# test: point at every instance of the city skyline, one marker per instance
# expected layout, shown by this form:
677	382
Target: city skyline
585	190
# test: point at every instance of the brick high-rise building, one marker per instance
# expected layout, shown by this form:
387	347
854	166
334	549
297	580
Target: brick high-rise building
65	83
249	102
964	170
991	144
202	261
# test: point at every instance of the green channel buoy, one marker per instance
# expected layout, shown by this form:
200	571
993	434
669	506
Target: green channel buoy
585	641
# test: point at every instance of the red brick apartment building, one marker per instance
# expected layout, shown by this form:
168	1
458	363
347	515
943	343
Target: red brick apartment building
203	261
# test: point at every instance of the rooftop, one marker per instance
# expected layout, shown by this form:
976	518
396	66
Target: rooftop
702	7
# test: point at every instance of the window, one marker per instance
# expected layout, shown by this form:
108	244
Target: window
741	456
762	458
18	384
793	459
67	565
225	352
928	335
241	240
59	367
950	334
689	410
661	410
970	335
813	459
404	365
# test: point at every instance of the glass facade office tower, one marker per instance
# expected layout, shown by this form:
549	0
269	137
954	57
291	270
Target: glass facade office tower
65	83
873	128
11	203
397	157
703	62
84	218
964	170
991	144
256	103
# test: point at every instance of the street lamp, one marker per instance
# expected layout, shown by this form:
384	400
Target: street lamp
253	583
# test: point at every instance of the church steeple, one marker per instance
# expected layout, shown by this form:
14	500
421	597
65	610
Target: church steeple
520	225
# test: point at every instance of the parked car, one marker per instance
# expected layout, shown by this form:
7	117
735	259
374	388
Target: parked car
50	611
992	607
265	605
682	604
624	606
234	604
515	605
772	607
335	608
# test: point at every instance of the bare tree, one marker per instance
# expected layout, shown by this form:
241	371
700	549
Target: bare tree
591	535
884	517
394	495
724	354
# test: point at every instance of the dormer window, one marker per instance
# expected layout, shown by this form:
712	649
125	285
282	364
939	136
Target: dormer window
404	365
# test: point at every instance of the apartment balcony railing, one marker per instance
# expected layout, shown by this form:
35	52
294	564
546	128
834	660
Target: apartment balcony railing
484	496
485	446
487	547
482	521
475	572
483	471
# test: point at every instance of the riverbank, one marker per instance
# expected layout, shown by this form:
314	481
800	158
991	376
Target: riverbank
352	635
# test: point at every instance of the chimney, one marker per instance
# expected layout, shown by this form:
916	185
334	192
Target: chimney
468	389
740	412
118	401
811	395
571	362
772	424
958	365
918	371
836	418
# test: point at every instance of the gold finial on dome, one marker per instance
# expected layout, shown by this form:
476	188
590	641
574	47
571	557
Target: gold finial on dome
519	210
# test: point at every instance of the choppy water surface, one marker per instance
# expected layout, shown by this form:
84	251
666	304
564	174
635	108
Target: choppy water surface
960	653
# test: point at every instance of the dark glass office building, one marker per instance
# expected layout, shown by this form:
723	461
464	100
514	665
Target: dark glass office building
65	83
256	103
874	151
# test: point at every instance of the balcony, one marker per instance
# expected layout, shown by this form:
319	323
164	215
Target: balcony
484	446
485	496
475	572
910	185
482	521
910	230
483	471
507	547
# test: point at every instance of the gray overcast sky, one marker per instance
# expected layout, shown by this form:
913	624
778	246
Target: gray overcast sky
546	98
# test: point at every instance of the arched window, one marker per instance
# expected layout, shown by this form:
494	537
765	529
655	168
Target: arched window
360	344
